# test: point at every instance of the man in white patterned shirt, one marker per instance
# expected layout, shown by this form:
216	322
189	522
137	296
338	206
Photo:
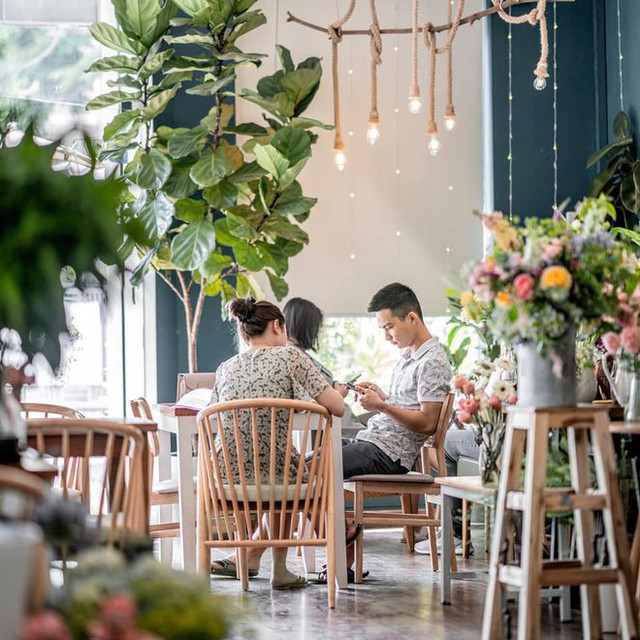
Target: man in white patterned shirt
408	414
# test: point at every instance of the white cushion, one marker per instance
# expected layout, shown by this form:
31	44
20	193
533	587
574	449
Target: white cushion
170	485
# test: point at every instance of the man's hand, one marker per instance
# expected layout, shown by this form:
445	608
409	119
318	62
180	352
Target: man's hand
363	387
370	398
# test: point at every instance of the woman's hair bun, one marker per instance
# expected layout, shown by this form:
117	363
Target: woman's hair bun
241	308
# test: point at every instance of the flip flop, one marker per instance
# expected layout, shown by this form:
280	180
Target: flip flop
298	583
355	535
351	575
228	569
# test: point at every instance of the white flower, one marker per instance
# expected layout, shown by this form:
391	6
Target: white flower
506	365
503	390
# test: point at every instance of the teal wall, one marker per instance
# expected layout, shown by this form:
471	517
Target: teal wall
582	113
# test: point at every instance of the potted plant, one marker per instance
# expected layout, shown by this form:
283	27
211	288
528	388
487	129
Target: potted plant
216	212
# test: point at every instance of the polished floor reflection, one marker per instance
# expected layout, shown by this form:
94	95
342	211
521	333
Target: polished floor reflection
400	599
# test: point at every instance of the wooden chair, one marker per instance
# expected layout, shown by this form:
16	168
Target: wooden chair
407	485
112	491
164	492
43	410
190	381
229	509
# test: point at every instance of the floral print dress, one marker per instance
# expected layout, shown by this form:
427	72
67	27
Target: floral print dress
270	372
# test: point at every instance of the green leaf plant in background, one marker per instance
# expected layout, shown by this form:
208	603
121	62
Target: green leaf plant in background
619	177
215	213
48	222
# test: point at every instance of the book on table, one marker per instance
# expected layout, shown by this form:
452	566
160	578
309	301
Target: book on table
195	399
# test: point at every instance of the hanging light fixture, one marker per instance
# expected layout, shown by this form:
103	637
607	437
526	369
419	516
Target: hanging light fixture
375	45
415	104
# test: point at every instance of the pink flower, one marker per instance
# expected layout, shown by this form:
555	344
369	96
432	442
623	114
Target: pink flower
524	285
607	288
512	399
611	341
495	403
463	417
458	382
630	339
625	315
469	405
552	248
468	388
46	625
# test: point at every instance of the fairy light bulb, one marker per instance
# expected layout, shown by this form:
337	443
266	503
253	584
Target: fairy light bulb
540	83
340	159
373	132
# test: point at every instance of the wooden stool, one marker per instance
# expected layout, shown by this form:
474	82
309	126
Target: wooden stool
534	426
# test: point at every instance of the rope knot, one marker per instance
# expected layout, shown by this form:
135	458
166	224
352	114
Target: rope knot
335	33
541	70
376	43
426	33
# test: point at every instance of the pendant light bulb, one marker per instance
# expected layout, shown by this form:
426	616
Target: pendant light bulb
540	83
373	132
340	159
415	105
434	145
450	123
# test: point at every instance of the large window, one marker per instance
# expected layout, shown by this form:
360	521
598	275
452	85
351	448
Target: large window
45	48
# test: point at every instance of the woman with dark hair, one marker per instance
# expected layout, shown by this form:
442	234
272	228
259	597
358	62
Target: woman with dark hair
304	321
269	368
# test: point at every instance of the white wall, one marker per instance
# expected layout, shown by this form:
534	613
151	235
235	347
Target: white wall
414	226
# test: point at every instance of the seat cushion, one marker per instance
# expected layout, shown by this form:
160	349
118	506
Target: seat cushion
170	485
412	476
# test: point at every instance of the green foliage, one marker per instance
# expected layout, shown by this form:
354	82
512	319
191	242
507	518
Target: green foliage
253	203
48	221
619	176
170	604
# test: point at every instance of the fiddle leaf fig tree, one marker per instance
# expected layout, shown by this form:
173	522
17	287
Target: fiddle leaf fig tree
216	212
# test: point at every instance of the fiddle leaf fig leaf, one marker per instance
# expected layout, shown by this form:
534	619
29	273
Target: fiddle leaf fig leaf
158	103
191	7
211	168
222	195
120	122
141	16
113	97
192	246
285	58
293	144
154	64
248	257
189	210
184	142
119	64
621	125
271	160
153	170
278	285
179	184
113	38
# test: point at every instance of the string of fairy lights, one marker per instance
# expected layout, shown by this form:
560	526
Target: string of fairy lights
555	107
510	115
620	57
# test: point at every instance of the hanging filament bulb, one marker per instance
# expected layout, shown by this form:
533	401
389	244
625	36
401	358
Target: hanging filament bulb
340	155
540	83
434	143
449	118
415	104
373	130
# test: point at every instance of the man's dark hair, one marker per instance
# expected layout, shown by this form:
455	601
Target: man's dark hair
398	298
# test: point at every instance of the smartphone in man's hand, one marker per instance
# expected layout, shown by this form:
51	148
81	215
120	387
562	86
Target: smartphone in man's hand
350	383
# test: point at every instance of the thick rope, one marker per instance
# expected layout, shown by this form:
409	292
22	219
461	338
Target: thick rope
376	59
534	17
432	128
335	34
415	90
449	107
427	28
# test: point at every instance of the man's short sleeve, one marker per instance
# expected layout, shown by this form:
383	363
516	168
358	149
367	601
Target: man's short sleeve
434	376
308	382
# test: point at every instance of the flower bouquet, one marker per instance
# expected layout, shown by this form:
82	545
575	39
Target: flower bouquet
485	393
105	597
543	279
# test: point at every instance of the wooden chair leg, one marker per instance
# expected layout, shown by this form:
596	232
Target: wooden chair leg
242	568
465	529
433	543
409	506
358	509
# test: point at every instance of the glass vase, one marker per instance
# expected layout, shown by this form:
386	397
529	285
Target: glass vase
491	437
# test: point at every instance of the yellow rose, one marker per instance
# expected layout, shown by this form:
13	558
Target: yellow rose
555	276
503	300
466	298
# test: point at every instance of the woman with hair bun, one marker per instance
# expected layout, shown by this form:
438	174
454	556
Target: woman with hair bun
269	368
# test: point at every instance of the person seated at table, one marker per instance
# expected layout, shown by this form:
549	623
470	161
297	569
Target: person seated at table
458	443
408	414
269	368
